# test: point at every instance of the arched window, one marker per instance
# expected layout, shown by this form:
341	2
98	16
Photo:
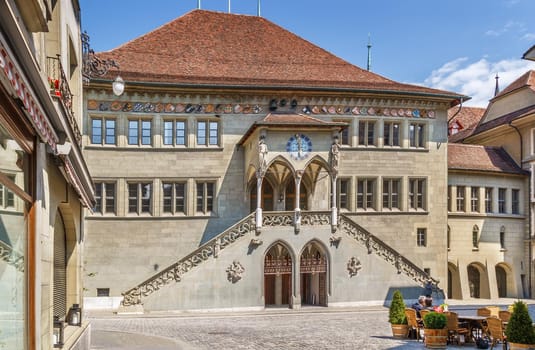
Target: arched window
448	238
502	237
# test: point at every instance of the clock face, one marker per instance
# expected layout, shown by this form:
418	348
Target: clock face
299	146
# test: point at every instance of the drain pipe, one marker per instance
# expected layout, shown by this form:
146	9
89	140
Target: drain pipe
530	236
458	111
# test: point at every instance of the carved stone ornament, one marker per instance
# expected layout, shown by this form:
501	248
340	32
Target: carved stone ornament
256	242
353	266
335	240
235	271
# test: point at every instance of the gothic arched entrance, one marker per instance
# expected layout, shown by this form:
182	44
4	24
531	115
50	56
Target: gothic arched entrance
290	196
313	273
474	281
278	276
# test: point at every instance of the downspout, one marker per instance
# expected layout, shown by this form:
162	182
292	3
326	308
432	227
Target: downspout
530	211
458	111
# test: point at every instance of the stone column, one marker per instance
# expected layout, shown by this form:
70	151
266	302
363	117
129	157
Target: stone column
297	213
258	202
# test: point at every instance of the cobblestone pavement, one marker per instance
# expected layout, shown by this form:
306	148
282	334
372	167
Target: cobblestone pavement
313	328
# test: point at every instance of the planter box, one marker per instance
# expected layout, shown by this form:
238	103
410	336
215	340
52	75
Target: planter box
436	338
400	330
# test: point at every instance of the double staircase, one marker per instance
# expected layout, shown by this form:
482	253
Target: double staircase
247	227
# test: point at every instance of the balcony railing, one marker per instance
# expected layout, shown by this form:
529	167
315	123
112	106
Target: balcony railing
59	88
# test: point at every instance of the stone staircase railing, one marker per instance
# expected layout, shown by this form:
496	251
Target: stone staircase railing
212	248
383	250
174	272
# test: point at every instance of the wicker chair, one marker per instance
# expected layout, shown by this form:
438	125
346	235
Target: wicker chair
504	315
456	332
483	311
423	313
496	332
413	322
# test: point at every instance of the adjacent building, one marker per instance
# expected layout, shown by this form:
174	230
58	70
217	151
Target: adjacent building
44	182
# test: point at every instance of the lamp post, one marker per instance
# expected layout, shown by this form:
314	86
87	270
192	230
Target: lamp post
93	66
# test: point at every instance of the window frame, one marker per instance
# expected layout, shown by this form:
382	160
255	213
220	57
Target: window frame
475	237
417	135
207	135
421	237
343	193
460	200
140	205
390	196
103	131
366	129
366	199
102	198
515	201
139	132
208	202
488	200
417	199
502	200
474	199
174	132
174	198
392	133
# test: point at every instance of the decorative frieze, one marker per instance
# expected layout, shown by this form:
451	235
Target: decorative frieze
246	108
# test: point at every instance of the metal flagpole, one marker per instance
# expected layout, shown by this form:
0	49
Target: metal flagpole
228	6
258	9
199	4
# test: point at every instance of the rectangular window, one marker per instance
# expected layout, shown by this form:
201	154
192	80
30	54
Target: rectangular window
105	197
488	199
139	197
208	133
474	199
460	198
421	237
416	194
344	136
391	193
501	200
417	135
174	132
104	127
365	194
515	201
205	197
139	132
502	238
391	134
366	133
343	193
174	197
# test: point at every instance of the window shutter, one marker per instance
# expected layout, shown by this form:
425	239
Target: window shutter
60	270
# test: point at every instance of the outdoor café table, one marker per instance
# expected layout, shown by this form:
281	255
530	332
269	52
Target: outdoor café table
475	323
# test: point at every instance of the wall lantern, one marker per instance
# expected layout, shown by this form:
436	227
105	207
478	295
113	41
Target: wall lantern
74	316
57	332
93	66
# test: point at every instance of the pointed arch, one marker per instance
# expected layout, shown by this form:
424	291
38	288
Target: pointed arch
454	281
279	262
314	273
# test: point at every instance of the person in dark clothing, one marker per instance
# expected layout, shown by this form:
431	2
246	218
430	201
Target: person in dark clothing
419	305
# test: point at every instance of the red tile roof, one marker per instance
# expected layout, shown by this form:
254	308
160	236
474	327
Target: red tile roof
481	158
213	48
468	118
289	120
527	79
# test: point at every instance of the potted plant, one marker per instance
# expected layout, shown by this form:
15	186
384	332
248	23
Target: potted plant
396	316
520	333
435	331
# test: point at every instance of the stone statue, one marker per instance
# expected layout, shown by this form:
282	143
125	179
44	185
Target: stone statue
335	154
262	153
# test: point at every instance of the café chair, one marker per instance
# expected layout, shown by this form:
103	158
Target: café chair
496	332
413	322
423	313
457	332
504	315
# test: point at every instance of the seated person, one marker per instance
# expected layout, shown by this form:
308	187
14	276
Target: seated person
428	302
419	305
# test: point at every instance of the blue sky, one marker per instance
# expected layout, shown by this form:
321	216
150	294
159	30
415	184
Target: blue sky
455	45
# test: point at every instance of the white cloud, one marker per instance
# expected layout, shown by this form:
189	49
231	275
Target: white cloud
511	26
528	36
477	79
